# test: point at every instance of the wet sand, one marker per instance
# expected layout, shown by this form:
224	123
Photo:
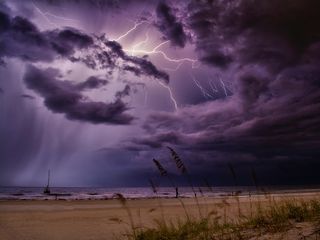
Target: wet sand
107	219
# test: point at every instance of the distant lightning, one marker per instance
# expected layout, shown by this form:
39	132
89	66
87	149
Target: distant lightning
204	92
214	89
223	86
226	85
213	86
46	14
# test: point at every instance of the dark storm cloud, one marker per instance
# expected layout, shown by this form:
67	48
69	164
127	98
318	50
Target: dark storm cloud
217	58
124	92
63	97
92	82
274	112
149	69
269	32
264	117
64	41
115	47
23	40
141	65
169	25
136	71
4	22
104	5
276	87
20	38
115	57
27	96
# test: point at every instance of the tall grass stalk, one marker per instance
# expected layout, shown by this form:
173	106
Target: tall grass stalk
123	202
181	166
155	191
236	194
163	172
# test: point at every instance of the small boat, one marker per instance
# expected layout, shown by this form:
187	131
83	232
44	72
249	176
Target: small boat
47	188
48	192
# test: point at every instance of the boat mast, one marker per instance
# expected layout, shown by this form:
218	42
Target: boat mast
47	189
48	178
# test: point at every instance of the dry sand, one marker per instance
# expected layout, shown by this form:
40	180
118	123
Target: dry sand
107	219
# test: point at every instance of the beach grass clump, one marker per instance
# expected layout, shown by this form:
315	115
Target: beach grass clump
201	229
192	229
280	215
276	217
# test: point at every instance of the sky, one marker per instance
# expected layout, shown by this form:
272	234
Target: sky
94	90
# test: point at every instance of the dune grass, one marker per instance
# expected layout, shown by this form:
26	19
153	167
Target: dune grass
276	216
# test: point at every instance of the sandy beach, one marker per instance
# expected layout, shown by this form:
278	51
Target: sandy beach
107	219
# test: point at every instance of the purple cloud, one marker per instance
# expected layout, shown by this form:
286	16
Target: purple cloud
63	97
92	83
168	24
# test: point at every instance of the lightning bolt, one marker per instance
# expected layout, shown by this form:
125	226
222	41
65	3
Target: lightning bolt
153	51
156	51
140	43
173	69
171	94
129	31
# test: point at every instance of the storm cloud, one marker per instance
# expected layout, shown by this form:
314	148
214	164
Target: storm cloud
61	96
273	112
20	38
92	82
270	33
169	25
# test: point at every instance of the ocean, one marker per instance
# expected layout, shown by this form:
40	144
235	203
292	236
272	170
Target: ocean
91	193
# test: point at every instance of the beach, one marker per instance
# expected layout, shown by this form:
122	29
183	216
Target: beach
108	219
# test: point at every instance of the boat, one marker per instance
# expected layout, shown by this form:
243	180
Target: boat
47	188
48	192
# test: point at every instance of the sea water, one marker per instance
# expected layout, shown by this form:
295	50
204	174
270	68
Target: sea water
100	193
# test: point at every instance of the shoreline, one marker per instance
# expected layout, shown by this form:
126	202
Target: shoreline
98	197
